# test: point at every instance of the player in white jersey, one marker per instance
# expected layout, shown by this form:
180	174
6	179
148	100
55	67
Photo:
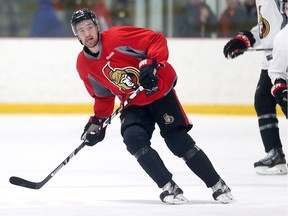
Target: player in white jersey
278	69
270	22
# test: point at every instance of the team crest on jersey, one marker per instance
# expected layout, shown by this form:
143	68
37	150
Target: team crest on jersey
168	119
264	26
125	78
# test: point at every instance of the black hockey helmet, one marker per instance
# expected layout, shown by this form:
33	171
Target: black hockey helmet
79	16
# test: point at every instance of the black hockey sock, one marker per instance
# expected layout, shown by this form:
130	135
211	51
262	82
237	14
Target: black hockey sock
270	138
154	167
203	168
268	125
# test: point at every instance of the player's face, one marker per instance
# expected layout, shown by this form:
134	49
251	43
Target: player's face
87	32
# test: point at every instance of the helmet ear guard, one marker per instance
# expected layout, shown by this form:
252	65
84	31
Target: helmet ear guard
80	15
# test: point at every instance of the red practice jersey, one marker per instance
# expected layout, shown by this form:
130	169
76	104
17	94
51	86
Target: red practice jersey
115	71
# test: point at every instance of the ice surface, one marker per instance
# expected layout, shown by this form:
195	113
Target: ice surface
106	180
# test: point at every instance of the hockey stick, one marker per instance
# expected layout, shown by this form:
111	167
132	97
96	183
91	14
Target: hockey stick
256	49
37	185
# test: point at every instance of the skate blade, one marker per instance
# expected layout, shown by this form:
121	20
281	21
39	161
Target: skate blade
178	200
280	169
226	198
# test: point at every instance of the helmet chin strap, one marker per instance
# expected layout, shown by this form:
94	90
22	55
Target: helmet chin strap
98	35
80	40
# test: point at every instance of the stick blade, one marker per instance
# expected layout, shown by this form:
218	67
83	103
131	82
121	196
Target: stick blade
24	183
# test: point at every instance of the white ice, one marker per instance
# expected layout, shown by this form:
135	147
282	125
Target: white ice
106	180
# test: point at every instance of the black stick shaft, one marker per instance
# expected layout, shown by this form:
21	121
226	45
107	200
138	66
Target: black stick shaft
37	185
256	49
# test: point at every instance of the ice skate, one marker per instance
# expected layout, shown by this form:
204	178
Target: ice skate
222	193
273	164
172	194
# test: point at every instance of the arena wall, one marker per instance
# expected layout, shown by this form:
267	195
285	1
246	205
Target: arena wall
39	76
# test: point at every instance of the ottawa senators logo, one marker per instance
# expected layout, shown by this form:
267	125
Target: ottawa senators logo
125	78
168	119
264	26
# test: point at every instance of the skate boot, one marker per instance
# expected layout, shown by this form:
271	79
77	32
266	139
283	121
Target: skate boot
172	194
273	164
222	193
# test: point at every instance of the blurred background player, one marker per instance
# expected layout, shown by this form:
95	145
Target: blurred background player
270	22
250	10
232	19
103	14
278	69
196	19
237	16
47	22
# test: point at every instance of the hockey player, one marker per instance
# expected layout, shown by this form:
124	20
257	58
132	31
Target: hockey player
115	63
270	22
278	69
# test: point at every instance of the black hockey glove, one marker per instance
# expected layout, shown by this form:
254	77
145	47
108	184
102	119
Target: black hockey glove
148	78
239	44
279	91
92	131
